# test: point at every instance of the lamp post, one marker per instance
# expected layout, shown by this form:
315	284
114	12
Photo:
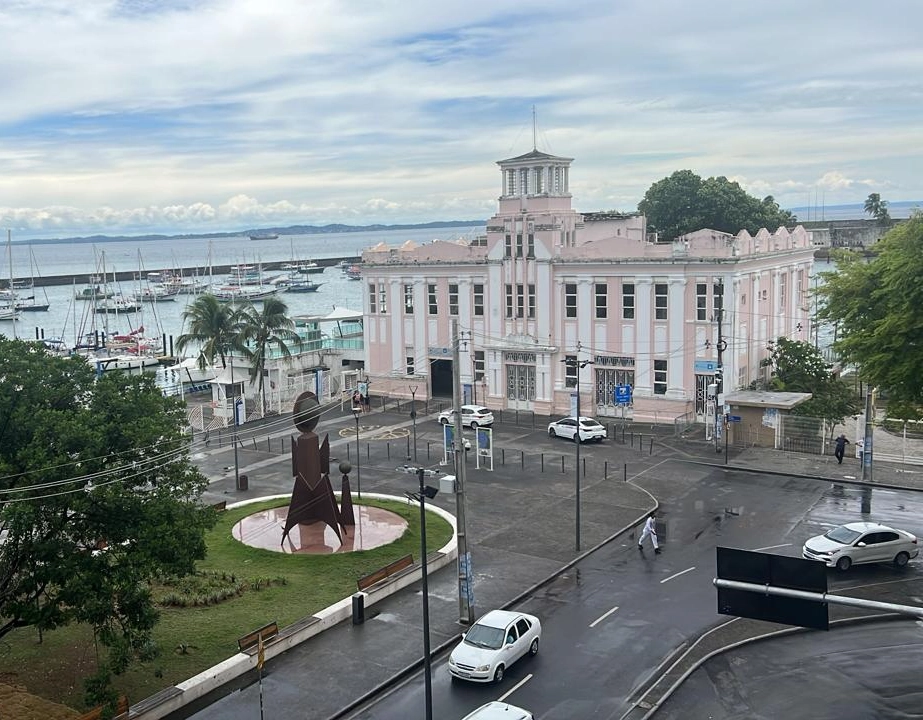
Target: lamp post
413	417
425	491
357	411
579	365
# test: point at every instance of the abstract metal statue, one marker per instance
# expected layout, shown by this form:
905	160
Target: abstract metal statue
312	495
347	516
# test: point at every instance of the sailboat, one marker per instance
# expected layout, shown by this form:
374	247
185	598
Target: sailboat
9	311
29	302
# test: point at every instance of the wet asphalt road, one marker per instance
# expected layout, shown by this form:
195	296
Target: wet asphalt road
614	618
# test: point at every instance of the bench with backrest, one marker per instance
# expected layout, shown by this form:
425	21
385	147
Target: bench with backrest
252	639
389	571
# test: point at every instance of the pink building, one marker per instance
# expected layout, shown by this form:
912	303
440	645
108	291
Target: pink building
548	288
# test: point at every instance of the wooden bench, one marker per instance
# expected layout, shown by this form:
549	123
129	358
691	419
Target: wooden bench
252	640
366	581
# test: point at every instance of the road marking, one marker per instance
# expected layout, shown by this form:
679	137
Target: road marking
603	616
772	547
682	572
515	687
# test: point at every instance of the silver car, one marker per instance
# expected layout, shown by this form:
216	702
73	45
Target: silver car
861	542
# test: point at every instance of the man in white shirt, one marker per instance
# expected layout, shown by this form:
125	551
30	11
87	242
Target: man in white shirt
650	530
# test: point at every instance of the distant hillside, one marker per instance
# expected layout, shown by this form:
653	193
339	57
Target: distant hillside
289	230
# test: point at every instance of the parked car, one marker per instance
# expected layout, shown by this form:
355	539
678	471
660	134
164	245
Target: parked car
472	416
494	643
567	428
861	542
499	711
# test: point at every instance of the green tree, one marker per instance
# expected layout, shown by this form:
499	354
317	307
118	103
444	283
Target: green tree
877	208
684	202
876	306
214	328
262	331
799	367
97	498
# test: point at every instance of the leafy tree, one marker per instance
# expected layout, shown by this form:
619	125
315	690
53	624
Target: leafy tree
684	202
799	367
878	208
97	497
262	331
214	327
876	305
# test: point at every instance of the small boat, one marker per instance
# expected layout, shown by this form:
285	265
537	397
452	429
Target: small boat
245	293
301	286
30	304
353	272
8	312
94	290
118	304
157	293
188	372
264	236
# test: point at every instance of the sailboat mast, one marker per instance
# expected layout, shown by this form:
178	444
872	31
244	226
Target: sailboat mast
9	252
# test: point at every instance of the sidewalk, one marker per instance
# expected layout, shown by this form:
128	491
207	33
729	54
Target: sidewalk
512	552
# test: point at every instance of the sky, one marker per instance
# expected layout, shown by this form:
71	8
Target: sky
175	116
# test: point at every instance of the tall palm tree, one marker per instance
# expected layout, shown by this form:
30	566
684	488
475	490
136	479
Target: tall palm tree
215	327
263	330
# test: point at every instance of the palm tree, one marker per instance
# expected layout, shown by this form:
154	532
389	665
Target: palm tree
215	327
263	330
877	208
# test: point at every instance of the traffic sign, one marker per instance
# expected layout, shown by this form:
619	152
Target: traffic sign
622	394
734	418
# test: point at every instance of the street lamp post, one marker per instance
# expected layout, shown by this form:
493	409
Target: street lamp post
425	491
413	417
357	411
579	365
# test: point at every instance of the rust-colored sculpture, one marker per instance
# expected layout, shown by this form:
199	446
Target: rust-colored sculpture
347	516
312	495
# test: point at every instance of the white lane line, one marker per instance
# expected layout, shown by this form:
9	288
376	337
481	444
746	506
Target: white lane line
682	572
603	616
515	687
772	547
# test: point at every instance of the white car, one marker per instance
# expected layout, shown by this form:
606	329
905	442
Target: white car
861	542
473	416
499	711
567	428
494	643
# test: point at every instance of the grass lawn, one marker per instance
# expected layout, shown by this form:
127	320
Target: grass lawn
192	639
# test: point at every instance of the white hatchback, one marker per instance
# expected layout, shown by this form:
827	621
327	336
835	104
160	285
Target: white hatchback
472	416
494	643
589	429
861	542
499	711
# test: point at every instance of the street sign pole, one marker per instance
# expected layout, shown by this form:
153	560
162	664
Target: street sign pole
727	431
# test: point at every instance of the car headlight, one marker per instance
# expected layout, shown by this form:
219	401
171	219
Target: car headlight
482	668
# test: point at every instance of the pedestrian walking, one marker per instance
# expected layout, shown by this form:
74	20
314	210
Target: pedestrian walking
649	531
840	449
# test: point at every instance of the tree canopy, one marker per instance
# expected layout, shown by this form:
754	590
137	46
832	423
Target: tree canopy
97	497
876	307
684	202
878	208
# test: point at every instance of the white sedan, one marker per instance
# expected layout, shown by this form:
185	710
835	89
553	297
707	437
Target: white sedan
499	711
472	416
861	542
494	643
568	427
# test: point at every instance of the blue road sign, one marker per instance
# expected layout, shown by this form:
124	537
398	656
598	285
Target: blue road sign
622	394
734	418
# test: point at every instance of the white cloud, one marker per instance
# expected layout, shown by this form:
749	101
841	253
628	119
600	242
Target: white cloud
219	114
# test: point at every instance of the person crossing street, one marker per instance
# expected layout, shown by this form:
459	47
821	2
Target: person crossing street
649	531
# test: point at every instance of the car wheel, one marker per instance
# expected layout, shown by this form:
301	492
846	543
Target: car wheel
498	674
843	564
474	425
552	432
901	559
533	648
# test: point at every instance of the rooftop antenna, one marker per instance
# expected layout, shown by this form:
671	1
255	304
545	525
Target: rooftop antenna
534	146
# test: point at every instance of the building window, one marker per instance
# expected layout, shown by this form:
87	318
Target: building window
479	365
602	301
408	299
717	292
570	300
531	301
628	301
509	300
660	377
478	300
520	302
519	245
530	247
453	298
510	182
701	301
382	298
660	301
433	303
783	284
570	371
411	362
373	299
509	245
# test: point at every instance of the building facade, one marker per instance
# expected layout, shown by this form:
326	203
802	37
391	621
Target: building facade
548	290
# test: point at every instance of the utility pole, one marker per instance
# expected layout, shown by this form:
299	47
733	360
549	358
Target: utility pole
866	475
465	576
578	365
427	660
720	346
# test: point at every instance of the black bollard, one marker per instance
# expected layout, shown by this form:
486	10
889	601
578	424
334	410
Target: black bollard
522	459
562	463
503	456
543	462
389	449
652	446
626	471
606	470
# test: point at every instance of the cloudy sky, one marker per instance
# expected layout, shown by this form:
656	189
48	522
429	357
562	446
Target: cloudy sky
132	116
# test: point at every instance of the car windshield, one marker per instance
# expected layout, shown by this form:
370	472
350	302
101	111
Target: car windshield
590	424
485	637
842	535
